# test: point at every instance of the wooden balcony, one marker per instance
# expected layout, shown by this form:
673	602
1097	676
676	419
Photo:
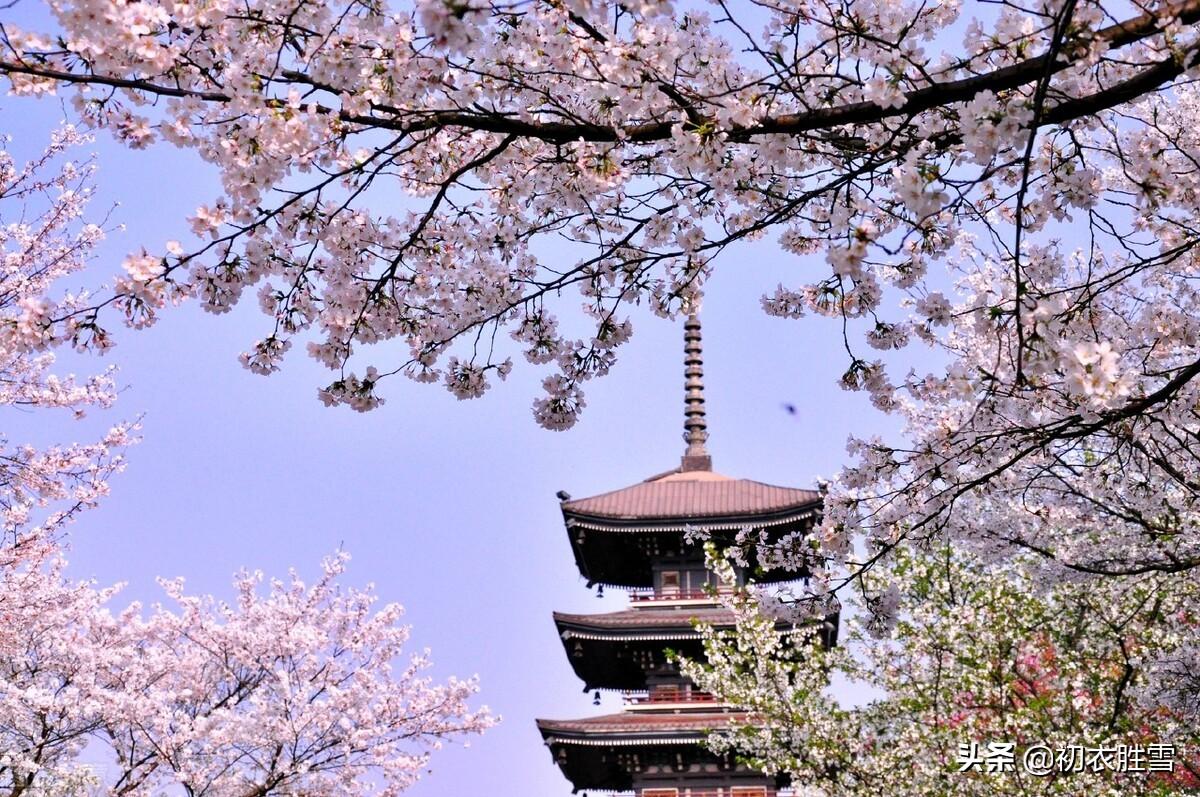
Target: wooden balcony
669	594
669	695
735	791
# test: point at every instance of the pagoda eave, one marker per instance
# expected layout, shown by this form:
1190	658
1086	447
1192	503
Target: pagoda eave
623	524
619	650
622	555
625	664
606	752
635	730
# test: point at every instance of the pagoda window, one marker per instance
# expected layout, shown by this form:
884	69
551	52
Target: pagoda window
698	580
749	791
667	693
670	582
684	582
660	792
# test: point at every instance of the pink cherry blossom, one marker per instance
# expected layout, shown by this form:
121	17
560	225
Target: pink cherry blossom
290	689
1012	187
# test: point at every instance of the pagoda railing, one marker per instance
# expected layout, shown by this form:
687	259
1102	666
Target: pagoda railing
668	695
735	791
639	595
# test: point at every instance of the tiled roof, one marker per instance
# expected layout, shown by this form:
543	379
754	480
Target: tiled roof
648	618
643	723
692	494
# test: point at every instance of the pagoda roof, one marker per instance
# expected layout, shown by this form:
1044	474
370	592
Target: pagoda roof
687	496
601	753
638	728
617	536
682	620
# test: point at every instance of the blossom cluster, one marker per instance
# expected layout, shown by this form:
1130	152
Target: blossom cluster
44	239
982	663
422	190
395	173
306	689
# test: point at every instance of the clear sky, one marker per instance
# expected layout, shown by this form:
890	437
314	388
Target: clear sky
447	507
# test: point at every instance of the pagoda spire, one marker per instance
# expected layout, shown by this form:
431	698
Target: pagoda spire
695	425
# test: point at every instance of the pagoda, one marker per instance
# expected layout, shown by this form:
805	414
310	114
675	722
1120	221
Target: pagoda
637	539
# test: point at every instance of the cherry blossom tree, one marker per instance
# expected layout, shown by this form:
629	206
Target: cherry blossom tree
44	240
1012	185
306	689
981	655
54	641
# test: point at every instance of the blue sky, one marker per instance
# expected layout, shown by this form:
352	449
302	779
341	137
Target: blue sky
447	507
